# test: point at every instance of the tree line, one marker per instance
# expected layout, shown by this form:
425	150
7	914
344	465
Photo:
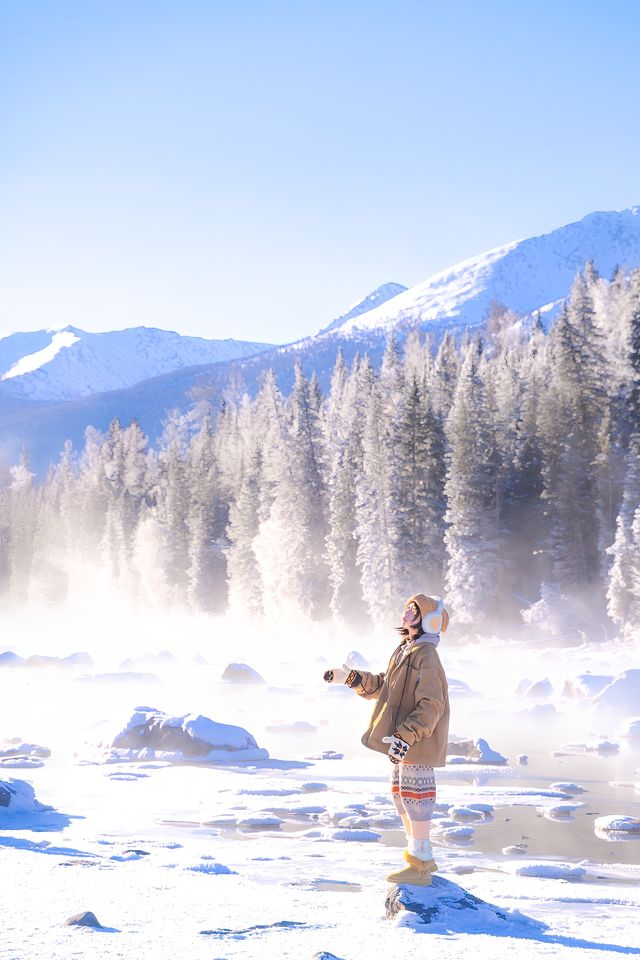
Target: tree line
502	471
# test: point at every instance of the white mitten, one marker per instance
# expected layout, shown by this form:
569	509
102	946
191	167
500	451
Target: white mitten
398	749
343	674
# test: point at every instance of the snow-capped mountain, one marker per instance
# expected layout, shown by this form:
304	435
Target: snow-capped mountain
145	373
66	364
525	275
379	296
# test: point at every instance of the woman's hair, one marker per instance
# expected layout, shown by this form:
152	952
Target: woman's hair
404	631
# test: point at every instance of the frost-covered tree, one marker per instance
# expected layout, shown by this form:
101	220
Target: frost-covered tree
419	503
377	550
343	429
471	536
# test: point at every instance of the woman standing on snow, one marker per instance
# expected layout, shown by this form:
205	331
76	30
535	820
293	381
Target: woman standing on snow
410	723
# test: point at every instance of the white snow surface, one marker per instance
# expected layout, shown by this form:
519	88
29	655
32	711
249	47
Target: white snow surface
288	856
523	275
75	363
33	361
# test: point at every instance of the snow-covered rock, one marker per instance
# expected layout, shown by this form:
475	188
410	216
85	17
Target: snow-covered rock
515	849
445	908
585	685
259	821
458	688
10	659
629	728
566	786
17	796
563	810
547	870
355	661
16	747
617	823
459	747
456	833
486	754
485	808
603	747
20	763
540	712
475	751
211	868
73	660
540	689
465	813
355	836
621	695
241	673
150	734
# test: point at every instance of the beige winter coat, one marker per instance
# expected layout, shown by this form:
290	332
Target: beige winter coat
412	701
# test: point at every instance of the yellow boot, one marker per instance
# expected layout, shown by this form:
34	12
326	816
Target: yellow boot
417	871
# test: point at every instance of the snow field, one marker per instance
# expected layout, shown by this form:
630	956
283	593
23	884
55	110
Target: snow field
293	831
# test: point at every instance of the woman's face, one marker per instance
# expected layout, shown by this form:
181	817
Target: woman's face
411	617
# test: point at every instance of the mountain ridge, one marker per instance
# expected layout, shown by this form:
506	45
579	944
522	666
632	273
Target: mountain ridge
526	276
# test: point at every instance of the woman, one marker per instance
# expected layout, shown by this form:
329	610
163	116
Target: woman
410	723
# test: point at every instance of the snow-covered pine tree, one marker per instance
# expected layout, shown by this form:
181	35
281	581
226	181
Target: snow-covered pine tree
377	557
206	520
243	574
419	475
343	422
171	495
570	418
289	544
23	525
444	378
623	591
471	535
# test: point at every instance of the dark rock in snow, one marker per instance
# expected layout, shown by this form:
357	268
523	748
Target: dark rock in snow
241	673
445	906
86	919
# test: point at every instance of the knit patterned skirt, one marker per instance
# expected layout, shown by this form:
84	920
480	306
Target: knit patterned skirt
413	790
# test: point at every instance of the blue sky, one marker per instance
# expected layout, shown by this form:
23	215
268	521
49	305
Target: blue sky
250	169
